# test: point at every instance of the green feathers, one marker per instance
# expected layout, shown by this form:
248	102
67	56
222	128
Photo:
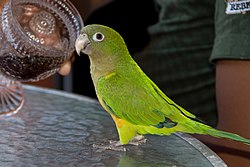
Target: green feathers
135	103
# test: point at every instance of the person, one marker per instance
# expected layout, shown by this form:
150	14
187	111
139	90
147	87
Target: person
196	53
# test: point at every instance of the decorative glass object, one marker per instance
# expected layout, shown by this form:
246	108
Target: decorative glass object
36	39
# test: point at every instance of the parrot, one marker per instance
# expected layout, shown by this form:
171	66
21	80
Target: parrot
136	104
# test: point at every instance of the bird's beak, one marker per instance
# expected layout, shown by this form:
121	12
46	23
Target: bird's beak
82	44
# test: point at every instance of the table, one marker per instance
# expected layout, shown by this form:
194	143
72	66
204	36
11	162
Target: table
56	128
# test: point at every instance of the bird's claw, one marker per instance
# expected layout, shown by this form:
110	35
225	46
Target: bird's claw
113	145
138	140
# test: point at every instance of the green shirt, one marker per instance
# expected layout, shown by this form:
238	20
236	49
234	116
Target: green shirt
232	34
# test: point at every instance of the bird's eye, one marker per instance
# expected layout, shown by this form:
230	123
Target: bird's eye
98	37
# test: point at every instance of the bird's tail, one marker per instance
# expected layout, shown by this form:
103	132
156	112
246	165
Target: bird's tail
222	134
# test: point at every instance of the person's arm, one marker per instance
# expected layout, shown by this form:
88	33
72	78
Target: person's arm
233	104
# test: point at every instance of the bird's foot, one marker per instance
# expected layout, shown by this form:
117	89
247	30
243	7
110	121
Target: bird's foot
138	140
113	145
117	146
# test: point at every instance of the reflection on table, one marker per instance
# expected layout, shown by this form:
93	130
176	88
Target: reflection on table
56	128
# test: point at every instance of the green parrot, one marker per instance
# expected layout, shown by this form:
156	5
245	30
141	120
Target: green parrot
133	100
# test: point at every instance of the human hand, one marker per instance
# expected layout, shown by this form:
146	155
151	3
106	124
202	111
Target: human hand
66	67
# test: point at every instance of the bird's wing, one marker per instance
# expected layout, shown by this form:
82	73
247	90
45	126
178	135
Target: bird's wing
178	109
136	101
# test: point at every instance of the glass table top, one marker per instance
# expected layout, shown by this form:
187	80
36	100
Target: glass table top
57	128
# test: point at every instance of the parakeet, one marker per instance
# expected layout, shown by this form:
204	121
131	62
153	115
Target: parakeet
133	100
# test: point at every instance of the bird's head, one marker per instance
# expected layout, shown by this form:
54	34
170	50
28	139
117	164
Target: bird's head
100	42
